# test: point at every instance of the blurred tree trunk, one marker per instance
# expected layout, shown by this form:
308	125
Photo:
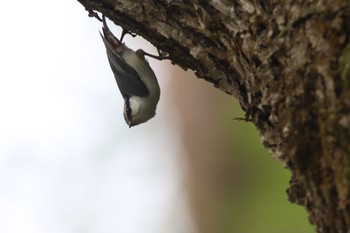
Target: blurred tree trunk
288	64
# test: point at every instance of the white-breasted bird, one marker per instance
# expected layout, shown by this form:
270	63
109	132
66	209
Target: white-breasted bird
135	78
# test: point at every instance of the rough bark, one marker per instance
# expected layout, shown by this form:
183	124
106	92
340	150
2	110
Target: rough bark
288	64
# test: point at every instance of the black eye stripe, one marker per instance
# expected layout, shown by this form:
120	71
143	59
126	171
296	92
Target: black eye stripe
128	109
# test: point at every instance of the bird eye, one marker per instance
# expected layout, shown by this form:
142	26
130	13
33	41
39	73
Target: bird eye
128	112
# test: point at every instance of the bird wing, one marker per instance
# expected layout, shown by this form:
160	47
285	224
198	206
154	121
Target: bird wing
128	80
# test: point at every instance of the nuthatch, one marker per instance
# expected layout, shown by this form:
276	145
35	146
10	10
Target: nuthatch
135	78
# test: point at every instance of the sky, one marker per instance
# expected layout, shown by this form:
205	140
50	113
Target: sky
68	161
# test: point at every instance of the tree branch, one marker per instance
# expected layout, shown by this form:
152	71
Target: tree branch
287	62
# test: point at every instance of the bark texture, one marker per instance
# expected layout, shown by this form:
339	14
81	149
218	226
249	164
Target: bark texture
287	62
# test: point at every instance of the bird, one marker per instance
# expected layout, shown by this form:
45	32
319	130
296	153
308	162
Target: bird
135	78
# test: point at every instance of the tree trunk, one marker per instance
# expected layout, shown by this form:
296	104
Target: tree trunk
287	62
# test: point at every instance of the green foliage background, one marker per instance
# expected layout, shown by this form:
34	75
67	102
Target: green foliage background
262	203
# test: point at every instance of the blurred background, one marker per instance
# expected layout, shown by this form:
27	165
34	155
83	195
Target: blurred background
69	163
